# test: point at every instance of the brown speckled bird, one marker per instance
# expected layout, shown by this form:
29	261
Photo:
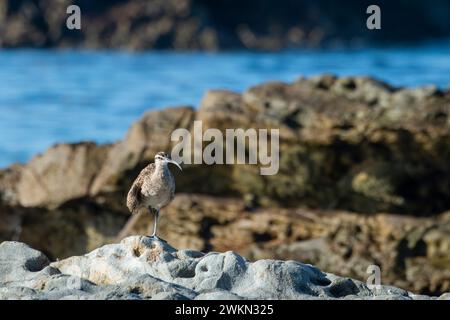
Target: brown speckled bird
153	189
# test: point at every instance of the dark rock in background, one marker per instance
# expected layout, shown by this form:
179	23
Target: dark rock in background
219	24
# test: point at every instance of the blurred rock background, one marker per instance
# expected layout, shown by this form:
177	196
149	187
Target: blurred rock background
219	24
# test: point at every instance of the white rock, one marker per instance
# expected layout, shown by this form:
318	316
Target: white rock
142	268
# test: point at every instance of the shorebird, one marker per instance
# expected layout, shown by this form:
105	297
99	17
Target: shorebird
153	189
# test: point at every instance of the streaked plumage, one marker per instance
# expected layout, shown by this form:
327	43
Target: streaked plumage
154	188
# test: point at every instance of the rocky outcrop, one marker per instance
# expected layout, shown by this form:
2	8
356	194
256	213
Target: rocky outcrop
347	143
145	138
141	268
350	143
411	252
351	149
213	25
65	172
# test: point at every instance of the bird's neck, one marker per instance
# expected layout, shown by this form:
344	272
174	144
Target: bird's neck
161	169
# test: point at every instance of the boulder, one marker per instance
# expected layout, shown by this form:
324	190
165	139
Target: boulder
145	138
65	172
144	268
350	143
412	252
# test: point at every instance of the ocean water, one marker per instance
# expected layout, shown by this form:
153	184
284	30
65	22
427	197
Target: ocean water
49	96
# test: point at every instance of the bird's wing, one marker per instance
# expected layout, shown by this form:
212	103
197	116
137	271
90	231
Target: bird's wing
134	195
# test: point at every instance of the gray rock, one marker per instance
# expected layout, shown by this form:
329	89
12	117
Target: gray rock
421	297
445	296
20	263
142	268
391	297
218	295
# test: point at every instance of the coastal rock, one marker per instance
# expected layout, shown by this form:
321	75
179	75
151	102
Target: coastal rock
348	143
213	25
63	173
144	139
349	147
143	268
412	252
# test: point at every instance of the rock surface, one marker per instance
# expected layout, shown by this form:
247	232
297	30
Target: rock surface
349	143
141	268
213	25
364	179
412	252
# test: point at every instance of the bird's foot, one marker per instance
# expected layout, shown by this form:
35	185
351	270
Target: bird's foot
156	238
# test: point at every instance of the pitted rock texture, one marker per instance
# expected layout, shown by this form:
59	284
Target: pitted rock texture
143	268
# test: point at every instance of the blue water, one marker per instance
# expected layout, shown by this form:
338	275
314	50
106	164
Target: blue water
67	96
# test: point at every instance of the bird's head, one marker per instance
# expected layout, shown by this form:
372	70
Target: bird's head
162	157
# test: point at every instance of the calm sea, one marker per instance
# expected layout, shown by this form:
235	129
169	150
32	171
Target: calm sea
68	96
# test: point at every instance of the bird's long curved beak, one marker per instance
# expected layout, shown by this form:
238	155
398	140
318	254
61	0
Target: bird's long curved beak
175	163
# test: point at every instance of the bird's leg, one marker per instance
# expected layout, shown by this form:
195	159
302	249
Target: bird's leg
155	223
155	226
